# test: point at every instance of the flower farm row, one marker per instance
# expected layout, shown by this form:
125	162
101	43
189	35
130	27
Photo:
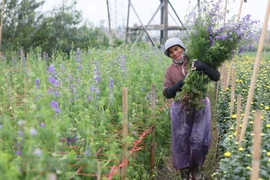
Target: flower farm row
63	116
236	159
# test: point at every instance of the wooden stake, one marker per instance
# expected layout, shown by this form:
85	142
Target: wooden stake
238	116
98	172
125	132
153	142
225	77
225	9
255	72
216	90
233	91
240	10
256	147
52	176
229	73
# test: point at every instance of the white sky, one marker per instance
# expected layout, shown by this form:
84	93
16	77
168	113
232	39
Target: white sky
96	10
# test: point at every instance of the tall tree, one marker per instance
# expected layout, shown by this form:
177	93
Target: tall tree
20	22
62	28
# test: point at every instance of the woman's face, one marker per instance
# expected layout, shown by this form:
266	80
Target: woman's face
175	52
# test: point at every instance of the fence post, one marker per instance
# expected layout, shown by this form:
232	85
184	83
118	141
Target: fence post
125	133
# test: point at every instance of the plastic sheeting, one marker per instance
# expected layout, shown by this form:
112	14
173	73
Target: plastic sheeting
190	134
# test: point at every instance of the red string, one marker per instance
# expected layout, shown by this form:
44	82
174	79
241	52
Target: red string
115	169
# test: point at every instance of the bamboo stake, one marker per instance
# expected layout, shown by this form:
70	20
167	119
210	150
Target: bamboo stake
255	72
225	9
52	176
256	147
216	89
98	172
153	142
240	9
232	91
224	76
125	132
229	73
238	116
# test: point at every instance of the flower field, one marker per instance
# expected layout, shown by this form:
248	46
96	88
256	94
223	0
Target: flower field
63	116
236	160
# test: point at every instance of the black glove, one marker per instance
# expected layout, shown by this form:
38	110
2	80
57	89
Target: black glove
212	73
171	91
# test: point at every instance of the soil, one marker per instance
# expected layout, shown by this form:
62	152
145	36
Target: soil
167	172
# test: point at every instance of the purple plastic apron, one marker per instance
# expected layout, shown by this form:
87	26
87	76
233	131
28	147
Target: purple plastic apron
191	134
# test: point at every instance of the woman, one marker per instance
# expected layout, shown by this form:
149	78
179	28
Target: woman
190	128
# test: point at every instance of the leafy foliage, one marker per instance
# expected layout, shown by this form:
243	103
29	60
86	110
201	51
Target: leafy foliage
212	44
62	29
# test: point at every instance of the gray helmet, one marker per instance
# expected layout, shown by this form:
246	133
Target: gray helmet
171	42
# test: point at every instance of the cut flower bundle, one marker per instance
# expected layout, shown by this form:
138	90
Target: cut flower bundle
212	44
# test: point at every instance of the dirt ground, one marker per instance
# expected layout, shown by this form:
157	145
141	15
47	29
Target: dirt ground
167	172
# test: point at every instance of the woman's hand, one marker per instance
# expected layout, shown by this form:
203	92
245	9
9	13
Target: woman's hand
212	73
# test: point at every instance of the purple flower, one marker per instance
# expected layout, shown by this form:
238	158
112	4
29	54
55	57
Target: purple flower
56	94
38	152
92	88
89	98
50	90
33	131
78	55
111	84
71	140
21	122
42	124
51	69
54	105
53	81
20	133
37	82
57	110
97	91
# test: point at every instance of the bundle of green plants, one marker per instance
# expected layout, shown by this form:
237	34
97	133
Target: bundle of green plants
212	43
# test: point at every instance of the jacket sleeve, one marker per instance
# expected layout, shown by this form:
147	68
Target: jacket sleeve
212	73
171	91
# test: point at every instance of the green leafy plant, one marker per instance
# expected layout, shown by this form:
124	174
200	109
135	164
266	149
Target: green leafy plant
213	44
